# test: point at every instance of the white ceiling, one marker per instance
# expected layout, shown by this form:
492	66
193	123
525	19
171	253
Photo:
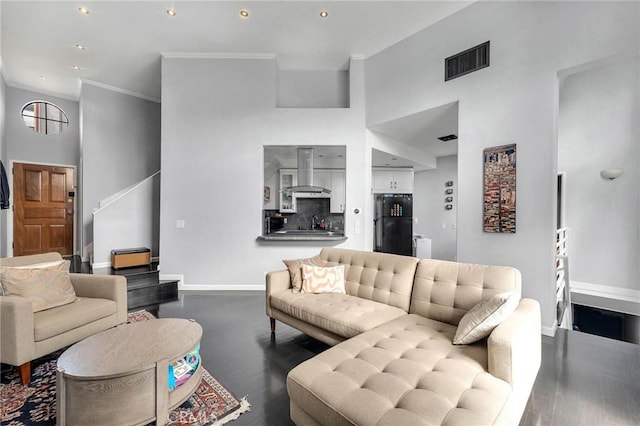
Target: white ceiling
420	131
124	39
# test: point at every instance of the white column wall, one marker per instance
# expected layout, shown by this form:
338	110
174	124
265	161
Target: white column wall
217	114
512	101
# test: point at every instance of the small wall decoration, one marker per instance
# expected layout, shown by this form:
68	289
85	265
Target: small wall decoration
267	193
500	189
448	191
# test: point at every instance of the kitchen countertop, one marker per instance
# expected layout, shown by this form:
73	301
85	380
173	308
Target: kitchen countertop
303	236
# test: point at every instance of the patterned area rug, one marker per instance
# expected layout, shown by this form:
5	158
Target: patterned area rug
35	404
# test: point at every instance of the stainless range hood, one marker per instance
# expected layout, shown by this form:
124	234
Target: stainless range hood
305	174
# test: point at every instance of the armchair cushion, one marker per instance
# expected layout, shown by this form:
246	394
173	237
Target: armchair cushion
59	320
46	287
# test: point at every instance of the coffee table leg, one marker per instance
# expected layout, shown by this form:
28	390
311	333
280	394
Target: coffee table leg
61	414
162	393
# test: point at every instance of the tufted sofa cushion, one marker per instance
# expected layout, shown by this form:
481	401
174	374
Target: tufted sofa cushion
381	277
445	291
340	314
403	372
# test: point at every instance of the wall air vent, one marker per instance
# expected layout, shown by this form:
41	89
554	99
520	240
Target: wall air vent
466	62
448	138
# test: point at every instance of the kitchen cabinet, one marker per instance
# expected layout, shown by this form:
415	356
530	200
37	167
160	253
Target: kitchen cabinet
288	177
398	181
335	181
338	191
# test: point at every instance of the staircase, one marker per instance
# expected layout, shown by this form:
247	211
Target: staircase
145	290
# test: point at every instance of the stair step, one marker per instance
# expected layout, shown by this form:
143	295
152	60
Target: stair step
161	292
143	276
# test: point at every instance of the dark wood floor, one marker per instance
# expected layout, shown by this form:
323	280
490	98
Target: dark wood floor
584	380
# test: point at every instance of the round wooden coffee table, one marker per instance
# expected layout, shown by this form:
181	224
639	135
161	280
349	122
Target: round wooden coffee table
120	376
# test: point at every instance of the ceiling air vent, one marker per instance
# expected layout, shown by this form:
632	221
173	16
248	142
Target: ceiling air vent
465	62
448	138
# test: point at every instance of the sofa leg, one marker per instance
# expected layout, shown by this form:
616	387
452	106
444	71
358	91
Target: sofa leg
273	324
25	373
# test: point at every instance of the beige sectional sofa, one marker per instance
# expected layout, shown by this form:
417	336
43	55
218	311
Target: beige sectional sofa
393	360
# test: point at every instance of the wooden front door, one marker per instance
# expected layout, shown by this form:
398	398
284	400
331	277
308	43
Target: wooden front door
43	209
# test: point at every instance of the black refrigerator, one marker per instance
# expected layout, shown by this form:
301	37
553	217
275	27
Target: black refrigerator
393	224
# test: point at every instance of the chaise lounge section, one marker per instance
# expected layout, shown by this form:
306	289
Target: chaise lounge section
398	364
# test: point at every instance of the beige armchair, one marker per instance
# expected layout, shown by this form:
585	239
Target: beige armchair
101	303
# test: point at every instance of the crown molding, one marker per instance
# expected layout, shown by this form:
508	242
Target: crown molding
40	91
219	55
120	90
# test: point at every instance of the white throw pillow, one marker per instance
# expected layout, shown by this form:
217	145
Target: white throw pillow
38	265
318	279
480	321
46	287
295	269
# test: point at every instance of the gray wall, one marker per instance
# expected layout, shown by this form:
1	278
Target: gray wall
120	147
26	146
428	207
312	89
217	114
599	129
515	100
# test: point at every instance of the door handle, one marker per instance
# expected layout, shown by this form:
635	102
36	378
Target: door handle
69	211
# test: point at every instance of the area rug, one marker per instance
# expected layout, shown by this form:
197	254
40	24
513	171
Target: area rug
35	404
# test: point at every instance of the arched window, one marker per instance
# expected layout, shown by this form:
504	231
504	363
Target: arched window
44	117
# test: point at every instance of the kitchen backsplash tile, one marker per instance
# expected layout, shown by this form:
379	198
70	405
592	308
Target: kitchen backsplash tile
306	209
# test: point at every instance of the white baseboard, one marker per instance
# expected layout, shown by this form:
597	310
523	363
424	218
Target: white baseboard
101	265
213	287
549	331
172	277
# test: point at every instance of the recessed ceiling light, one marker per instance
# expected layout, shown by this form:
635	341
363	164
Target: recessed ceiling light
75	67
83	10
244	13
42	77
171	12
80	47
324	14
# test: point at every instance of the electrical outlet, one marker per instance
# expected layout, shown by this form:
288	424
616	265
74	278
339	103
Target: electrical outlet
179	224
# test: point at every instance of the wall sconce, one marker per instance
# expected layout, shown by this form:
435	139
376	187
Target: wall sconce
611	173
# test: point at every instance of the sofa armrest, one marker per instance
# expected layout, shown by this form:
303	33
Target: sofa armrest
111	287
276	281
17	341
514	351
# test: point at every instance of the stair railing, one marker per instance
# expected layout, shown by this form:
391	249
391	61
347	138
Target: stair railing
564	315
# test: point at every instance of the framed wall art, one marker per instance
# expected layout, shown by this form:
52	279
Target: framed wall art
500	189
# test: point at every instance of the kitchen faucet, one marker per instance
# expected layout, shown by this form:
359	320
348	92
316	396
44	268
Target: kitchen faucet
314	220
